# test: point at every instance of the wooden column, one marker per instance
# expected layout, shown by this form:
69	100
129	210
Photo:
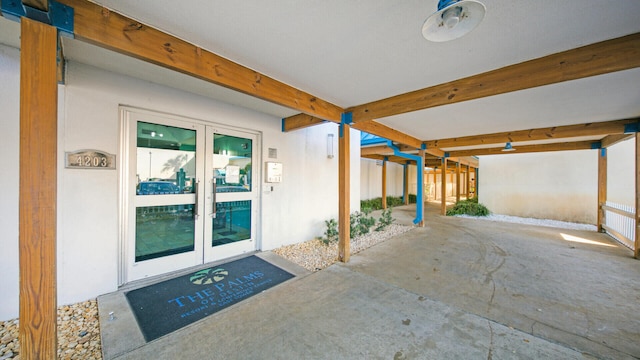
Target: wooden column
468	187
443	187
636	250
458	181
384	184
406	184
38	179
344	223
435	182
602	187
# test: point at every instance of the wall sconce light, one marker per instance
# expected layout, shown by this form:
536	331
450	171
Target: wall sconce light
330	153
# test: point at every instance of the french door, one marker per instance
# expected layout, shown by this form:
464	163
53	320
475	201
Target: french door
189	192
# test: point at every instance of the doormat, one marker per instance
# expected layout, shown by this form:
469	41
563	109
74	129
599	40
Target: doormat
172	304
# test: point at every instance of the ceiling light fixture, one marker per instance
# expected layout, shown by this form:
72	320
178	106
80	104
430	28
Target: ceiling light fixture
508	147
454	19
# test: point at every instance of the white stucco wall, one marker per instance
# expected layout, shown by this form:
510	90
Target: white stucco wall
553	185
88	199
9	179
621	173
371	179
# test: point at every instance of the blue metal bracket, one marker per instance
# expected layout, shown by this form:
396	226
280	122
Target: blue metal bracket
603	152
59	15
631	128
345	119
386	158
596	145
446	155
423	146
420	172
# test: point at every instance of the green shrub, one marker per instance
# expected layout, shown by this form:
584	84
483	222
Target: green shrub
331	233
468	207
385	220
376	204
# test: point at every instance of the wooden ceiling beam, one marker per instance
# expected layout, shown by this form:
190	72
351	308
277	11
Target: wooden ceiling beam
395	159
556	132
578	145
600	58
300	121
611	140
99	26
375	150
42	5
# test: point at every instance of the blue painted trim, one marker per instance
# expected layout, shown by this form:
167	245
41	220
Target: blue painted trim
404	182
12	9
631	128
420	172
596	145
373	141
423	146
603	152
446	154
62	17
347	118
386	158
59	15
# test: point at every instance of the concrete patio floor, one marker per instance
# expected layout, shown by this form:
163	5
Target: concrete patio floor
455	289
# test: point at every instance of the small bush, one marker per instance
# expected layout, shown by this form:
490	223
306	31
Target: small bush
331	233
469	207
385	220
376	204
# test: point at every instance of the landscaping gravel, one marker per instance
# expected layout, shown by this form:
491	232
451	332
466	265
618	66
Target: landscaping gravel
314	255
78	333
79	328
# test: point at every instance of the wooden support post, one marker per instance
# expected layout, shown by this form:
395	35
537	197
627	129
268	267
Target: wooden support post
38	183
458	181
602	187
443	187
384	184
636	250
435	182
468	178
344	223
476	181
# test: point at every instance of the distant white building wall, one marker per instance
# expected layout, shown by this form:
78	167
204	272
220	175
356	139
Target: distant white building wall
371	179
551	185
621	173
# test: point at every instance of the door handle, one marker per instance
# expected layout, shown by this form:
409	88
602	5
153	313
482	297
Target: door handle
214	206
195	211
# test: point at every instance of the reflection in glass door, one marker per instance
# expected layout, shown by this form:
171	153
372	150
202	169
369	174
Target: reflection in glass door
164	227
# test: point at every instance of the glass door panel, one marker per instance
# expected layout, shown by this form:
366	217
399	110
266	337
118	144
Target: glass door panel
163	171
233	195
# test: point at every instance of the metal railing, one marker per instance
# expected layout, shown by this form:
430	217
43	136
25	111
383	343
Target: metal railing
619	222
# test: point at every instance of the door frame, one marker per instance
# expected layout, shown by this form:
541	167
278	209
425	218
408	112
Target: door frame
126	200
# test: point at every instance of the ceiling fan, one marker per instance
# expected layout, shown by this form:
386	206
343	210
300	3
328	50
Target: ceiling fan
454	19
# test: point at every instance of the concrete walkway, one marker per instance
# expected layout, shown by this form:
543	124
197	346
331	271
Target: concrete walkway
456	289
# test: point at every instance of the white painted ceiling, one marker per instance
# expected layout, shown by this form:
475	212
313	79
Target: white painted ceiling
357	51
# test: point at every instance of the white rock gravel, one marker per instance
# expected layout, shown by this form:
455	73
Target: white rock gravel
78	333
79	328
533	221
314	255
